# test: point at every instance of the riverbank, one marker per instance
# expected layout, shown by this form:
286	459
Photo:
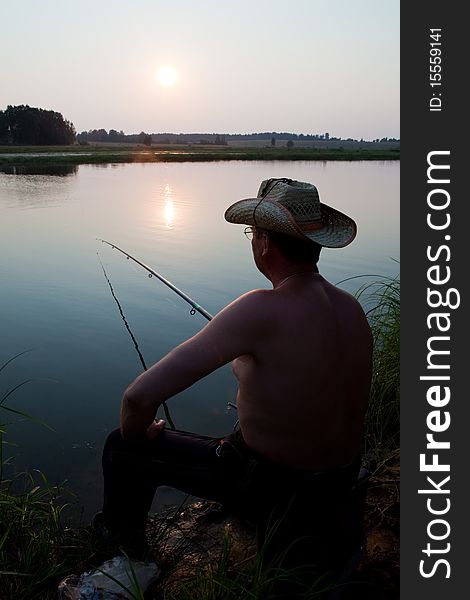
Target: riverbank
11	156
190	543
202	552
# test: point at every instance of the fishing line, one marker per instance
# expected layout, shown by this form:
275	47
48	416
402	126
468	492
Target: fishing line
136	345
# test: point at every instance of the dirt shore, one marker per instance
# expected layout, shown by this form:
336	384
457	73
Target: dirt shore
189	540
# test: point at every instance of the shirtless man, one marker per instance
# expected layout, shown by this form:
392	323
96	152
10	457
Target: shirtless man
301	353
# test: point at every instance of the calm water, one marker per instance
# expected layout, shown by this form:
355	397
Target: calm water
56	303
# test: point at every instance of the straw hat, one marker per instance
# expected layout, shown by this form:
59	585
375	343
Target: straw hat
294	208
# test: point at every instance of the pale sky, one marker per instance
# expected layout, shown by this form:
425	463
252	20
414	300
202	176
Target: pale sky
303	66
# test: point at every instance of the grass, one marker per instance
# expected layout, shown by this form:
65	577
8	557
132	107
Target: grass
212	559
381	299
33	537
36	547
221	581
73	155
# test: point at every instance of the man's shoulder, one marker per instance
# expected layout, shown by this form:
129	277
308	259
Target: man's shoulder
350	312
247	316
341	295
250	300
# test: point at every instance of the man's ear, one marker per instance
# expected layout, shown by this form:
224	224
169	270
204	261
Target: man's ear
265	244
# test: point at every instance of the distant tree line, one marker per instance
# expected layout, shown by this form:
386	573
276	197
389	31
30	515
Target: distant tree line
223	139
281	135
101	135
113	136
35	126
25	125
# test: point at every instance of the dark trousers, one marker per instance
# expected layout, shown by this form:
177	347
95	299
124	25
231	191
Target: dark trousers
306	517
134	471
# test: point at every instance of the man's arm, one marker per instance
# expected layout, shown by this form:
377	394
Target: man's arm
235	331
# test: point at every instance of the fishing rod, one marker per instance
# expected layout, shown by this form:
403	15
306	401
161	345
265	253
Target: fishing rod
136	345
195	306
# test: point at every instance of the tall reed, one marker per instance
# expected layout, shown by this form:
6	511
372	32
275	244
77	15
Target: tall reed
381	300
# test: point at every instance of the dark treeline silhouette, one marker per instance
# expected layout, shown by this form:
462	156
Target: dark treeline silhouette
223	139
114	136
25	125
101	135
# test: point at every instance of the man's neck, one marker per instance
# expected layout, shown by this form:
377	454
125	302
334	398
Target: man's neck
292	272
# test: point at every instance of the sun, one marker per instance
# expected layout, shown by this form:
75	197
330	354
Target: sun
167	76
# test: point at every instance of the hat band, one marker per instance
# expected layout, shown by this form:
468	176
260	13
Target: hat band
311	226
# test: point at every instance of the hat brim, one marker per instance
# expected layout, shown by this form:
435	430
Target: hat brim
335	230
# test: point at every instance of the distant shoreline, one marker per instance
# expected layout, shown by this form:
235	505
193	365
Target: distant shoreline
96	154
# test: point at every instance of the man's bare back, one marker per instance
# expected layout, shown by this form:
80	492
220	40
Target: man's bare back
303	391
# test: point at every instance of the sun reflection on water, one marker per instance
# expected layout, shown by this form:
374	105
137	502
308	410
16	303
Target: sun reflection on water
169	208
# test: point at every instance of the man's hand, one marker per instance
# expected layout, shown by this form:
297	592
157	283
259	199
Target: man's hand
154	430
